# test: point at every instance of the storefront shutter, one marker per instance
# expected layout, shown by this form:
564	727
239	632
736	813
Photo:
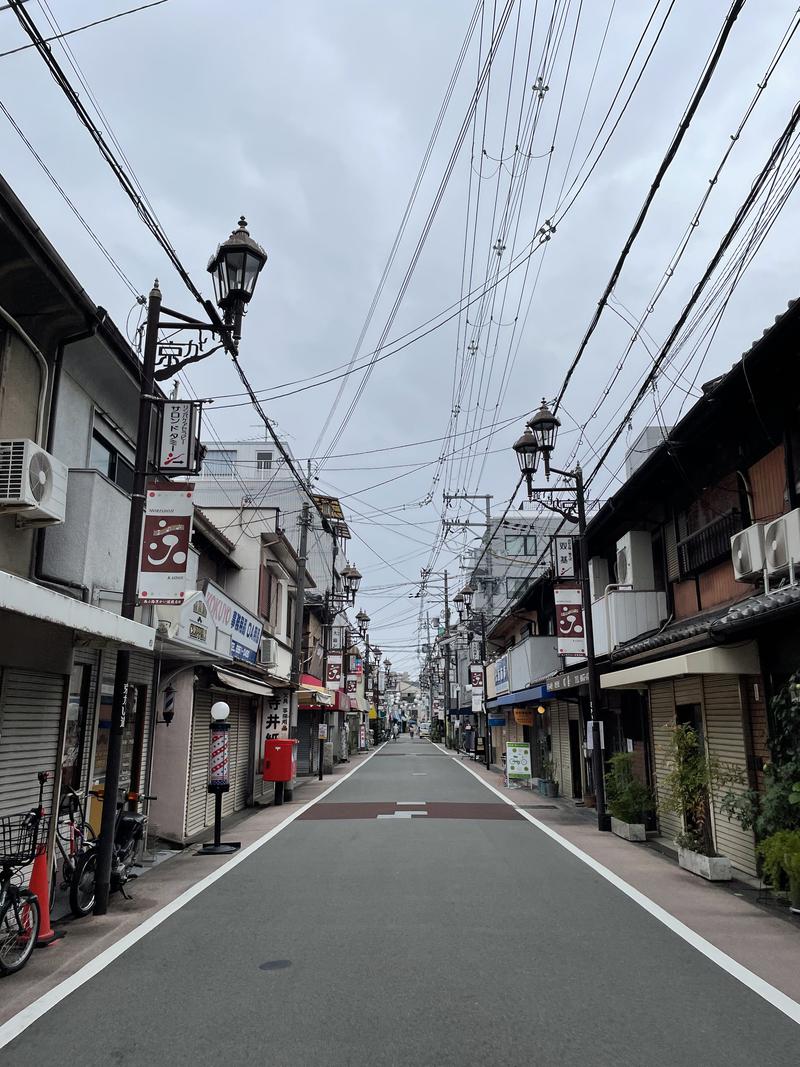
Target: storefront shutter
199	802
31	706
662	716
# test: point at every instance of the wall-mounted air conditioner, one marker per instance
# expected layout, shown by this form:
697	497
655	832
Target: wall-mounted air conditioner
33	484
747	552
782	542
635	560
268	652
598	576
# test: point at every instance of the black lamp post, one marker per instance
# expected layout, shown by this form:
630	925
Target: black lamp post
235	267
537	442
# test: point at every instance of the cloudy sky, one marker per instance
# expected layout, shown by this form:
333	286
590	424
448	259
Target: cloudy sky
313	118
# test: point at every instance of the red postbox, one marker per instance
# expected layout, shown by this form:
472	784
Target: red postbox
280	759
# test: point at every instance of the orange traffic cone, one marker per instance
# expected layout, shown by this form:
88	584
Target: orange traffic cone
40	885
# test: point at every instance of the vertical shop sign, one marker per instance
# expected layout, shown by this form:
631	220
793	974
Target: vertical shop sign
565	557
570	626
166	533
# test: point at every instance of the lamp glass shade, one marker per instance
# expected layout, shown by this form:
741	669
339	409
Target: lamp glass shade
527	452
544	427
235	267
220	711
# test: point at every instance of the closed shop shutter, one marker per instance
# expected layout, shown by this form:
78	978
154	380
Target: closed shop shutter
662	717
92	658
236	798
725	740
688	690
31	706
305	718
559	712
141	674
199	802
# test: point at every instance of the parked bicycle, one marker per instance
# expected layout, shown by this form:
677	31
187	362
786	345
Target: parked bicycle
20	918
129	830
73	832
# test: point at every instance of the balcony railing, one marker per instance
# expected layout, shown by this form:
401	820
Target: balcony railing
710	545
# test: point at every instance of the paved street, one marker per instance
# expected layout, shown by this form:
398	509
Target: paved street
484	941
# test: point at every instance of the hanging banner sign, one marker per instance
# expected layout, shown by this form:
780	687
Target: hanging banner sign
357	666
570	628
565	557
337	638
476	681
333	676
177	452
166	533
352	683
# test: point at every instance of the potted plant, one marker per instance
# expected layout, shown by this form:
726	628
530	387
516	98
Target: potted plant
628	799
687	790
548	786
780	853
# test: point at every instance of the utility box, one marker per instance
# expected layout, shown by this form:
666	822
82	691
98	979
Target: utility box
280	760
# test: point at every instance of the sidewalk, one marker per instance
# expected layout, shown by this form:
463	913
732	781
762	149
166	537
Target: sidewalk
156	887
725	914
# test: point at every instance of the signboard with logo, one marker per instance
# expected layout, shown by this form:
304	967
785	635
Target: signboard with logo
337	638
565	557
518	760
570	629
190	623
476	681
166	533
352	683
177	452
333	672
276	718
523	716
234	623
501	680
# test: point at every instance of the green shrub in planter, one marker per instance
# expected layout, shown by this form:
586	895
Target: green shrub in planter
690	779
628	799
781	855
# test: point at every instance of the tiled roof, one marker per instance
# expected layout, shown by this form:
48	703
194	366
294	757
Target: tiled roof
756	607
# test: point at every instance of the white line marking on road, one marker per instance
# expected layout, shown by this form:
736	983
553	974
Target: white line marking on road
24	1018
418	774
742	974
411	803
401	815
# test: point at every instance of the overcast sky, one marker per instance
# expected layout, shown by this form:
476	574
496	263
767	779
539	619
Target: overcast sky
312	118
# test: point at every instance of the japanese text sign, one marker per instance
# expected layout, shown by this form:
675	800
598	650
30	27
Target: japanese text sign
177	444
565	557
570	627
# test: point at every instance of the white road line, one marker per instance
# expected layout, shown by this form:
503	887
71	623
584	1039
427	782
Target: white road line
742	974
401	815
419	774
411	803
24	1018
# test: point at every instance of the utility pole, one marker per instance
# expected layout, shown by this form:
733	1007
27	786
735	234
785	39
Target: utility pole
304	522
447	726
488	734
105	845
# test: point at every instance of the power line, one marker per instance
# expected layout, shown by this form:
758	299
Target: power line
85	26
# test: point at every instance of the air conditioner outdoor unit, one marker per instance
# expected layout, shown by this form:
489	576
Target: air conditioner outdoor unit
635	560
268	653
598	576
747	552
782	542
33	483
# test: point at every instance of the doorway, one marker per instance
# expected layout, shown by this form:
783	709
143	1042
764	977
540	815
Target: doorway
575	757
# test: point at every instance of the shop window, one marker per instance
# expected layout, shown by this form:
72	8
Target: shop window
75	732
104	457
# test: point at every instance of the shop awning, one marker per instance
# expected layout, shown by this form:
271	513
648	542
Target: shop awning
522	696
27	598
315	695
734	659
240	682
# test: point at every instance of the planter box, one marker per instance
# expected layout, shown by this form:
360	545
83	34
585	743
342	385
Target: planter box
547	788
713	868
628	831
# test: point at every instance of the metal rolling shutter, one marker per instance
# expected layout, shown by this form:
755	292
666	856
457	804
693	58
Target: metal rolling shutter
239	754
31	706
559	731
141	673
199	802
725	740
91	657
662	717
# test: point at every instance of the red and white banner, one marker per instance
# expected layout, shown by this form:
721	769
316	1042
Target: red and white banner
570	626
333	673
166	533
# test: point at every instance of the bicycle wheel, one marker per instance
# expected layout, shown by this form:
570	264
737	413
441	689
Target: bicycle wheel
19	928
82	884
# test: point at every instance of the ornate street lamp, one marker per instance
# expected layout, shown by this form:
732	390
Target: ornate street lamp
460	606
351	578
467	593
362	620
235	268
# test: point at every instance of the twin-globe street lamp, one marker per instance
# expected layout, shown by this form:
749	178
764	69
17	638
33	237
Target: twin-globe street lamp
235	268
537	443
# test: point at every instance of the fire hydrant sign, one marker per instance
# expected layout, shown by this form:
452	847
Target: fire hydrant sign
518	759
166	533
570	627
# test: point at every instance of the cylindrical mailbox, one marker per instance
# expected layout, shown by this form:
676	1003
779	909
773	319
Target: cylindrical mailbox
280	759
218	770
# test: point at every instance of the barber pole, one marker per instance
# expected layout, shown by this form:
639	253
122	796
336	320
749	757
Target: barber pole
218	766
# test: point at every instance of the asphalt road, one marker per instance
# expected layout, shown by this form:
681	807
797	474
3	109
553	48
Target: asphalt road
457	937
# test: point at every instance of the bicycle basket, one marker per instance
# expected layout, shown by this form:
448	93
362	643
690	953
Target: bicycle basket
19	836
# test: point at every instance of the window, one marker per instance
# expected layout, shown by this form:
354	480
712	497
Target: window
269	597
520	545
105	458
220	462
514	587
290	602
263	463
